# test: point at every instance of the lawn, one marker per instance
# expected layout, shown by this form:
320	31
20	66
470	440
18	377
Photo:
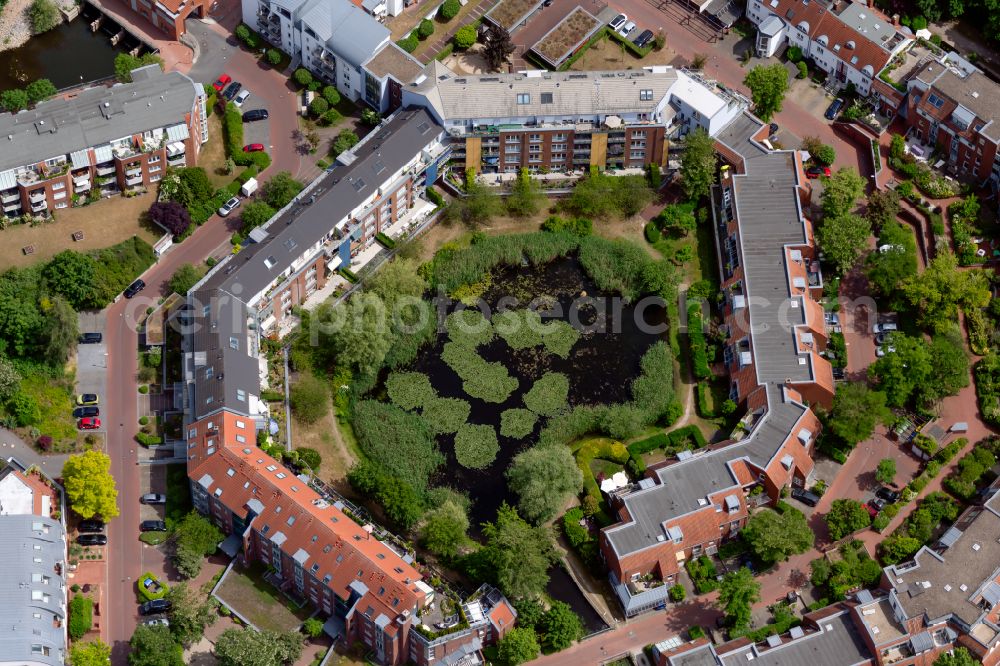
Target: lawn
55	401
330	441
607	54
247	593
213	154
178	494
104	223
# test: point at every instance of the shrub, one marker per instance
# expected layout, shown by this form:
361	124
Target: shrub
652	233
44	15
170	215
434	196
318	106
449	9
409	43
44	442
517	423
310	457
302	76
273	57
309	397
794	54
148	440
425	29
81	616
397	441
825	154
476	445
696	632
577	226
465	37
147	594
331	95
409	390
696	341
549	394
677	593
803	70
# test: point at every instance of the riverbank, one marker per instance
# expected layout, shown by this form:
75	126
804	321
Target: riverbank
15	29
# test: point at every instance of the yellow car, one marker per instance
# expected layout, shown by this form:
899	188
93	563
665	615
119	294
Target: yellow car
87	399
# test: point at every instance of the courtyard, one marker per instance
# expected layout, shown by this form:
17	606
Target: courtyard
247	593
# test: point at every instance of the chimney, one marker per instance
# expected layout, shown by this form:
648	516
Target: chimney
895	20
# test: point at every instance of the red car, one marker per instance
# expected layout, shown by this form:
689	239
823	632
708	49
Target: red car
223	81
253	148
89	423
817	171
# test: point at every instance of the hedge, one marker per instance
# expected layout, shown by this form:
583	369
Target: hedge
704	409
671	443
629	46
678	437
435	196
696	342
148	440
348	275
81	616
147	595
385	240
232	130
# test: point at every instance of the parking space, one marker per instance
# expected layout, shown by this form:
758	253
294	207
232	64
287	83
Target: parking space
152	479
92	360
257	131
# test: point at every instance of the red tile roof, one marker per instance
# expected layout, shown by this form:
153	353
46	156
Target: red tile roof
502	617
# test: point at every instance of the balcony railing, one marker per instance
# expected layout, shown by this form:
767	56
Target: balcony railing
133	181
37	195
104	170
12	195
41	205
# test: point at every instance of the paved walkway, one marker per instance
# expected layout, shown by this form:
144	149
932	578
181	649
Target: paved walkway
12	445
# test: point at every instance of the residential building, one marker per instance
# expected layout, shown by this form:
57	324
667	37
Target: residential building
367	585
340	43
169	15
100	141
33	587
774	332
949	106
850	41
542	120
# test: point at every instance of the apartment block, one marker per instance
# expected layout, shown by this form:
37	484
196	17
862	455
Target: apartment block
341	42
689	506
850	41
170	15
33	620
99	142
563	121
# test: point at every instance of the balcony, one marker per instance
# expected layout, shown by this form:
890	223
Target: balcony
81	186
105	169
124	151
36	196
11	207
135	180
10	195
40	206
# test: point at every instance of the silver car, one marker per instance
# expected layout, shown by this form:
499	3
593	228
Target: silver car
229	206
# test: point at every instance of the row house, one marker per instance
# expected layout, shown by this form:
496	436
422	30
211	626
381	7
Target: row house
100	141
851	41
341	43
562	121
33	588
689	506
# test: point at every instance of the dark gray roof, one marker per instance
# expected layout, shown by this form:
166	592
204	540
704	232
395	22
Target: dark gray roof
233	284
837	643
27	537
736	136
701	656
95	117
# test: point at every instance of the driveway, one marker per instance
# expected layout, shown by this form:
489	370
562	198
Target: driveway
92	360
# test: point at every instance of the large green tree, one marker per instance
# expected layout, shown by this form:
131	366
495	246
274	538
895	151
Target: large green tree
936	295
846	516
958	657
71	275
185	277
154	646
195	538
855	412
882	208
363	339
91	653
698	164
775	536
526	197
189	614
768	84
893	262
309	397
841	192
60	331
40	90
559	627
544	478
920	373
444	529
844	239
254	214
280	189
517	556
738	592
90	488
517	647
247	647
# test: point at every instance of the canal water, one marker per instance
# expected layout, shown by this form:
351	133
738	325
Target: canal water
563	588
67	55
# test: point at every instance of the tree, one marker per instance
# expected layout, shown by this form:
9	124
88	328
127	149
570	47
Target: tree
841	192
60	331
517	647
516	555
526	196
477	207
882	208
677	216
897	547
310	398
698	164
466	36
767	84
825	154
958	657
775	536
170	215
189	615
318	106
846	516
371	117
90	488
498	46
93	653
559	627
125	63
10	380
886	471
281	189
544	478
345	140
331	95
855	412
71	274
902	371
185	277
44	15
273	57
949	365
937	294
246	647
40	90
449	9
195	538
302	76
396	279
425	29
14	100
255	214
313	627
444	529
154	646
738	592
893	262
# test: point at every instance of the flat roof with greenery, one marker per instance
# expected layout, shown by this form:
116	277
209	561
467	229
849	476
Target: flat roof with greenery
508	13
567	36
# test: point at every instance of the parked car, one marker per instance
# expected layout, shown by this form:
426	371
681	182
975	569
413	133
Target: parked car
81	412
816	171
134	288
92	540
806	497
888	494
834	108
882	338
87	399
152	526
241	98
772	129
255	114
878	503
222	82
229	206
153	498
838	373
643	39
627	28
831	318
253	148
882	350
157	622
91	338
887	327
89	423
90	525
230	92
618	21
155	606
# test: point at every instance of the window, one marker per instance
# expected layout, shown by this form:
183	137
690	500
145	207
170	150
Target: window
241	395
512	159
58	186
935	101
646	95
234	342
241	424
546	98
534	137
523	98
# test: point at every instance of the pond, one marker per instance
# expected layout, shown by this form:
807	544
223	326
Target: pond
600	366
563	588
67	55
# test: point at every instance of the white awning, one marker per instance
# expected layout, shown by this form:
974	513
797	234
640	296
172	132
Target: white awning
102	154
787	461
7	179
79	159
178	132
175	148
805	435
